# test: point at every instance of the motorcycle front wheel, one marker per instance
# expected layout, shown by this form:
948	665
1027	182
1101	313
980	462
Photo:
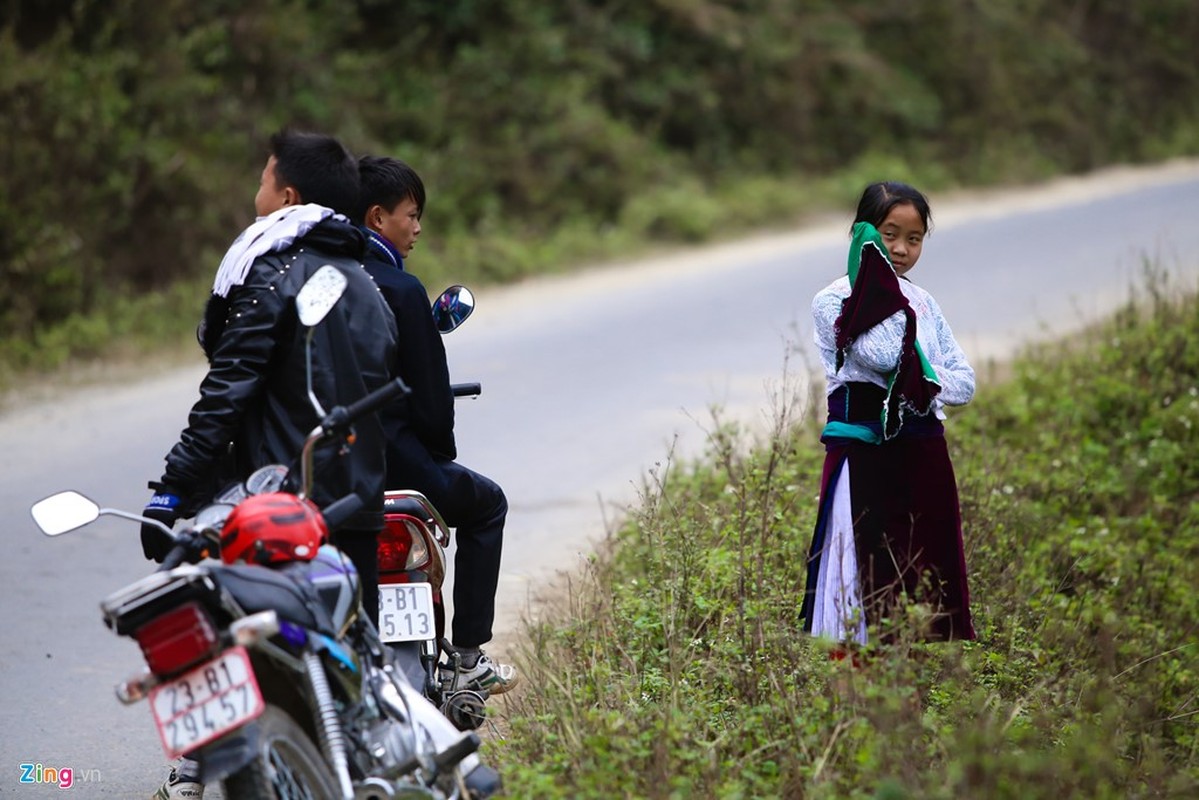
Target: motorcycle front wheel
288	765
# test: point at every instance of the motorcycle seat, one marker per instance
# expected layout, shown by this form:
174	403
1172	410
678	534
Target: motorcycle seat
410	506
257	588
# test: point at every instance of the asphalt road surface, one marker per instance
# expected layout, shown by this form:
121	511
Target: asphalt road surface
588	382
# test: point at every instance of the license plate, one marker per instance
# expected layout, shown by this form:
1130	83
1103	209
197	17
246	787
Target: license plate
406	612
207	702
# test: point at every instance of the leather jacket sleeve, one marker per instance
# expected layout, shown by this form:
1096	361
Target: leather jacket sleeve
232	386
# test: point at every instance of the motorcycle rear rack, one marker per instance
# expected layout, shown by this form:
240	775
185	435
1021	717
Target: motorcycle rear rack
129	608
415	504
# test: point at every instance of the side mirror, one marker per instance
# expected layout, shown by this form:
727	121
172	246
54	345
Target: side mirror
319	294
314	301
63	512
452	308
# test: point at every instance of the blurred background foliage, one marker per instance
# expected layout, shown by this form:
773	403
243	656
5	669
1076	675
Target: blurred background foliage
547	133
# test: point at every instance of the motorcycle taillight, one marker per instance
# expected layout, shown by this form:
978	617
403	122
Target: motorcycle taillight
402	546
177	639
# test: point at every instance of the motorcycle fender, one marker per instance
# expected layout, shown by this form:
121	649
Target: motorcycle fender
228	754
407	659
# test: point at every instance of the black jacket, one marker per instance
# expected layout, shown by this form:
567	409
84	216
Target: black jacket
255	394
429	411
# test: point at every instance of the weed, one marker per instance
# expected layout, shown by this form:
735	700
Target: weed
678	668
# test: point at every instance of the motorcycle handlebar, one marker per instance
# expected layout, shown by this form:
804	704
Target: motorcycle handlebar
466	389
339	511
342	416
190	547
174	558
337	423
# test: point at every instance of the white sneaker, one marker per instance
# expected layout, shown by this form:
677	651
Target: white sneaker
176	788
486	674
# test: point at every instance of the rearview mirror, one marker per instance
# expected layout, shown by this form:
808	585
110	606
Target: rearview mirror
319	294
314	301
63	512
452	308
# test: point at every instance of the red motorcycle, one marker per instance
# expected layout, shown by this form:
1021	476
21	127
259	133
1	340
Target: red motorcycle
411	606
412	569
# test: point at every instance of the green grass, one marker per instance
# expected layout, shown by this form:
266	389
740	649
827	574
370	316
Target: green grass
677	667
150	329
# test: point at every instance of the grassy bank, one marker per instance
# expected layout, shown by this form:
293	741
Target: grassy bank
676	670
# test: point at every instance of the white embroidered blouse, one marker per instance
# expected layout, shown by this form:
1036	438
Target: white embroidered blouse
875	353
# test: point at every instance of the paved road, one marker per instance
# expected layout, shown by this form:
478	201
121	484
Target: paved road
587	382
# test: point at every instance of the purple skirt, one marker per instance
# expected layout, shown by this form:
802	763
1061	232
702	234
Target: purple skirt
889	531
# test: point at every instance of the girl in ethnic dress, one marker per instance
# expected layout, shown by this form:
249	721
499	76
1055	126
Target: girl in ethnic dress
889	528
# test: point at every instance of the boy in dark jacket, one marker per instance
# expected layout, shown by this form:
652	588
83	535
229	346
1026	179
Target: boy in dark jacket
255	394
420	428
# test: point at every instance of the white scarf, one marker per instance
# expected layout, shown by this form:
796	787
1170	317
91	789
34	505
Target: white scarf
270	234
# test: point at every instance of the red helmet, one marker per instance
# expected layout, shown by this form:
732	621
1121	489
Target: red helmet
272	529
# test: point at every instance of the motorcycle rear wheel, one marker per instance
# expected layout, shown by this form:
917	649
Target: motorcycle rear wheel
288	766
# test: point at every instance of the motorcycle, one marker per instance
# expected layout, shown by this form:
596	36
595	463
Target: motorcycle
262	667
412	570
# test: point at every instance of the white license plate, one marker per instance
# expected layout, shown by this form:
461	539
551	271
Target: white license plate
207	702
406	612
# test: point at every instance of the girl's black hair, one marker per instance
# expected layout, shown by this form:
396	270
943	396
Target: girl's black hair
879	198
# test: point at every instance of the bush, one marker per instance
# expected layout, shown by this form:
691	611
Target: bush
135	130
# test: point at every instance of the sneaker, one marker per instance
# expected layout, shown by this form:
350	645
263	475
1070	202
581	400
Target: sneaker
177	788
485	674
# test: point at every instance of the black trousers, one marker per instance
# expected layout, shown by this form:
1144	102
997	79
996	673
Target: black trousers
362	548
475	506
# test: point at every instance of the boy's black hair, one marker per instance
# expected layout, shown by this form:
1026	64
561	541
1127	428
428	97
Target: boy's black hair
879	198
387	182
319	167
